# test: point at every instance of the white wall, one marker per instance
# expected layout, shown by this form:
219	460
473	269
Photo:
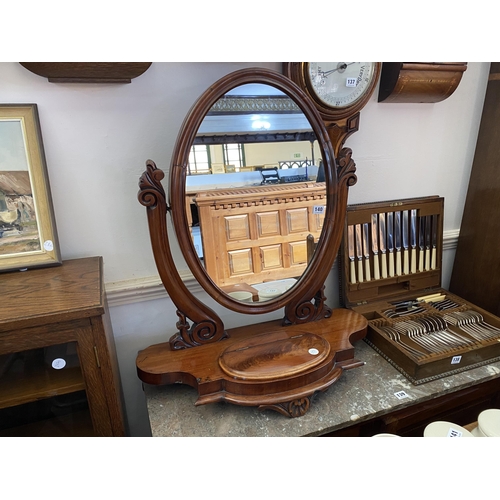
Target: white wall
98	137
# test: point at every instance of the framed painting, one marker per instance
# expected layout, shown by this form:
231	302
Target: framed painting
28	235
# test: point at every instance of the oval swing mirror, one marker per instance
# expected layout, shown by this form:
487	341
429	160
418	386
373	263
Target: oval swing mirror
245	196
279	364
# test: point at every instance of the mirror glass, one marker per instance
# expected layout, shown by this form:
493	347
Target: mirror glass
255	193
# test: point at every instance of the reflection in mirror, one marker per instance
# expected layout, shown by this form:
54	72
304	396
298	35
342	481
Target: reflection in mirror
253	196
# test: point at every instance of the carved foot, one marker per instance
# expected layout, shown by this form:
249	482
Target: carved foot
296	408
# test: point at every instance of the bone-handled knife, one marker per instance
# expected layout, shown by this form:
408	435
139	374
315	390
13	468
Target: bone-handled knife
428	223
406	254
390	242
366	251
434	242
413	240
359	252
397	241
376	270
350	244
381	242
421	243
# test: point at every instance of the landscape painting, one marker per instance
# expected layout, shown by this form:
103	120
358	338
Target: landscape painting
27	226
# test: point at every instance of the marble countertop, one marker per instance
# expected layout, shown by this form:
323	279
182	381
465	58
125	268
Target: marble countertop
360	394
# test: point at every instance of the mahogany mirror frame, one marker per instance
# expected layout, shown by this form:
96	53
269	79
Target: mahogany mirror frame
316	273
305	301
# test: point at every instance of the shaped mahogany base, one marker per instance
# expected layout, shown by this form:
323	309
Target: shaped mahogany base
267	365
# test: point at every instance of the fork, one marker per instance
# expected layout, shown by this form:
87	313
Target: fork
472	323
394	335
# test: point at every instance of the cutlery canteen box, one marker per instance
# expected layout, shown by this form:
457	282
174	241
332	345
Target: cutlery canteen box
390	263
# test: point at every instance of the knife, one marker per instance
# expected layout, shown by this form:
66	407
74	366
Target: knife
366	251
428	222
376	271
406	264
413	240
390	242
397	239
350	243
381	241
421	243
359	252
434	242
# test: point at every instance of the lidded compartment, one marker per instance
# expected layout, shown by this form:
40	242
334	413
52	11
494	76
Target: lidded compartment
391	250
390	271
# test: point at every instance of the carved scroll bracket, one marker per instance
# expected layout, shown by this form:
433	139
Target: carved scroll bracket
308	310
346	168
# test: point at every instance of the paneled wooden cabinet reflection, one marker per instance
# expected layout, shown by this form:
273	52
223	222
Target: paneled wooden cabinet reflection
58	368
256	234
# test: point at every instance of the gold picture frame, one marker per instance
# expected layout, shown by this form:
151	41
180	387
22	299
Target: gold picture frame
218	168
28	235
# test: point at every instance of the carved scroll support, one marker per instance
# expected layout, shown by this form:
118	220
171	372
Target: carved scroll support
207	327
346	170
308	310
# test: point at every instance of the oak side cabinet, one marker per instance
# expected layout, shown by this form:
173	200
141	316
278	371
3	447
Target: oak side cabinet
58	369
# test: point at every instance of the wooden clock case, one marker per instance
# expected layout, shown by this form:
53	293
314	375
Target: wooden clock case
279	365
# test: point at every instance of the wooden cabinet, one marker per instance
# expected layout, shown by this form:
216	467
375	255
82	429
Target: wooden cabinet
58	368
256	234
476	269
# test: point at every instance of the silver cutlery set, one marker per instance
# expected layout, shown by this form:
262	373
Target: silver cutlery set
392	244
391	255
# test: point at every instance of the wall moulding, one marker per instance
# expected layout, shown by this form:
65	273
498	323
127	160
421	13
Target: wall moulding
125	292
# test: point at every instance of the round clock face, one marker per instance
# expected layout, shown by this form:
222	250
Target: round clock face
340	84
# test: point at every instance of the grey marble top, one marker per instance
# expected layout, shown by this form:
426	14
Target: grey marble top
360	394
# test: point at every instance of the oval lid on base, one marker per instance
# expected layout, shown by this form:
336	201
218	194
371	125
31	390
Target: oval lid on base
275	355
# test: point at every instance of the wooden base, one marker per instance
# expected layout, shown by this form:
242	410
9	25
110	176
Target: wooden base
267	365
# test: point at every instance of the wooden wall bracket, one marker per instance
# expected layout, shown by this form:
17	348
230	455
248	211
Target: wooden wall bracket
418	82
87	72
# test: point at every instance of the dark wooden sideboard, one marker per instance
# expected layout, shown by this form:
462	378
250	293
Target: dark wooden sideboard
476	269
58	368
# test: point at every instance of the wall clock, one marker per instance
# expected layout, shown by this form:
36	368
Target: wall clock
339	90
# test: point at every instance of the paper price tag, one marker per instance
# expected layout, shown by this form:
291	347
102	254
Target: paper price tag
454	433
456	359
318	209
58	364
350	82
401	394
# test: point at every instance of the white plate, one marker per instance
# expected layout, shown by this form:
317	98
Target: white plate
446	429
